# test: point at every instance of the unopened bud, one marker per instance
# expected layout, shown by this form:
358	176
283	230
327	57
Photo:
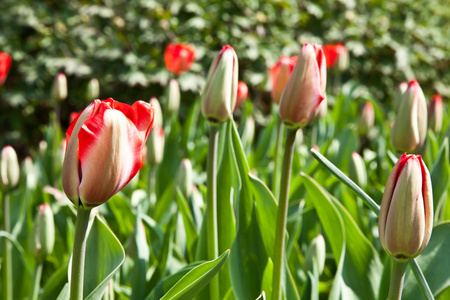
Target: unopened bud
316	254
42	236
158	121
9	168
173	97
184	178
357	170
155	146
366	118
59	90
93	89
435	113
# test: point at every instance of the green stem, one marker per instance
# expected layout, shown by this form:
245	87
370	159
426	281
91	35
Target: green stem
7	252
211	207
152	186
398	275
282	214
79	252
276	170
423	284
37	280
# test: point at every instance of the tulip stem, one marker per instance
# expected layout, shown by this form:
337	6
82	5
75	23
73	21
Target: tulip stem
280	232
79	252
37	279
276	170
211	207
398	275
7	252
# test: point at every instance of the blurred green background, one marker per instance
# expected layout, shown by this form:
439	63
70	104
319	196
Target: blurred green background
122	43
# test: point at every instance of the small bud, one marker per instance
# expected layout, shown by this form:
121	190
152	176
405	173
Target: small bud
9	168
305	89
316	253
173	97
93	89
366	118
219	94
155	146
279	76
42	236
357	170
184	178
242	94
406	213
158	112
435	113
59	90
410	127
29	173
336	56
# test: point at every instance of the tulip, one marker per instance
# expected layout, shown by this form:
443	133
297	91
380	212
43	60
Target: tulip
279	76
357	170
9	168
219	95
184	178
242	94
5	64
406	213
401	89
59	90
317	252
93	89
336	56
410	127
173	97
158	112
103	151
155	146
435	113
42	236
305	89
179	57
366	118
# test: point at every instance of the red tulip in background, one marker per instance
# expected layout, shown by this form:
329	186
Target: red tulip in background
242	94
279	75
104	150
179	57
336	56
5	63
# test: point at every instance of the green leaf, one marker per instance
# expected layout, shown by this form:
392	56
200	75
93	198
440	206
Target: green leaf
142	254
104	256
196	279
55	284
65	293
440	178
189	226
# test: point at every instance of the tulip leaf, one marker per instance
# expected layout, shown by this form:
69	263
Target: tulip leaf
65	293
196	279
189	226
141	257
55	284
434	262
104	256
440	178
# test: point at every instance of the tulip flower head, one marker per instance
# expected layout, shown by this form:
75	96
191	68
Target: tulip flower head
9	168
366	118
5	64
410	127
406	214
279	76
179	58
59	90
42	237
435	113
93	89
242	94
219	95
158	112
103	151
305	89
155	146
336	56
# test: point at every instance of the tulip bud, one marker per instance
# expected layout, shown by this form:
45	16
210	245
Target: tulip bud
305	89
410	127
173	97
155	146
5	64
336	56
103	153
29	173
179	57
9	168
42	237
158	112
242	95
366	118
93	89
59	90
401	89
316	252
184	178
406	214
279	76
357	170
435	113
219	94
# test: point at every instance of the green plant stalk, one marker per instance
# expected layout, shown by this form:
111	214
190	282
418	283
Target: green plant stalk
152	186
7	252
423	284
211	206
79	252
276	169
397	278
37	279
280	232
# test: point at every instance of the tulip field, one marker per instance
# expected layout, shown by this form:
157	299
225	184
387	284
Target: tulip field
294	182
